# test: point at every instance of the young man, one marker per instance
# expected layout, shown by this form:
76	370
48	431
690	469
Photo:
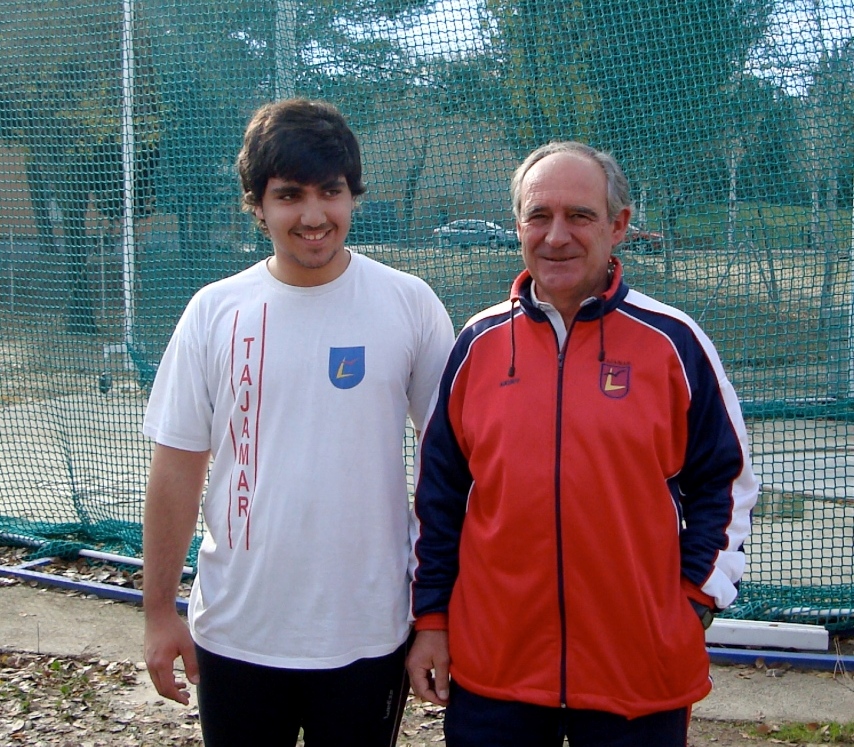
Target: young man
295	377
584	493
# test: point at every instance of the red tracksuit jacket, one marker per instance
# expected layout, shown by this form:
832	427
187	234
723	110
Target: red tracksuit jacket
570	501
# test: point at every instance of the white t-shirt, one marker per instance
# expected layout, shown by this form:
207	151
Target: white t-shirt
302	394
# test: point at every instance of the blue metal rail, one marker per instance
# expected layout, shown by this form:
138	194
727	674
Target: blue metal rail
25	572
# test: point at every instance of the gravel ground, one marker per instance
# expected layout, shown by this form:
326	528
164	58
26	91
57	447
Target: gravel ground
46	700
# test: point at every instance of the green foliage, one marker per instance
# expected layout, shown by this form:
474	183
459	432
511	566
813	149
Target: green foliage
66	114
199	72
540	49
764	224
802	734
650	81
664	72
65	111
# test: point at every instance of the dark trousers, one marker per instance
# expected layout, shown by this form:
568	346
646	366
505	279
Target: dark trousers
475	721
242	705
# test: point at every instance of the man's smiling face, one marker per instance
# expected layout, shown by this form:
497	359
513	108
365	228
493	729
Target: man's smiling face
308	224
566	234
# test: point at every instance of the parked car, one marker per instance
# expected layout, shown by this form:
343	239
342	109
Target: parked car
464	233
642	241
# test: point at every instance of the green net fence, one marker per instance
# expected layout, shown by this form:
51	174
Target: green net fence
734	119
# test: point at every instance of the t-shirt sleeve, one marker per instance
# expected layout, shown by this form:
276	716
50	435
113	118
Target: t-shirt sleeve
180	409
437	339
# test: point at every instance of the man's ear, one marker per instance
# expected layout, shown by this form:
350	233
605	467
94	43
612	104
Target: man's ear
620	225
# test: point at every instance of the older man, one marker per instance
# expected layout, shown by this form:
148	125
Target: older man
584	492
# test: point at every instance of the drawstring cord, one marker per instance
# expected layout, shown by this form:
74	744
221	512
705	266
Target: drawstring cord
511	372
612	267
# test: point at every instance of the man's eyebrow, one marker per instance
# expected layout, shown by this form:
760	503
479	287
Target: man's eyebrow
584	210
297	187
534	208
283	189
338	181
573	209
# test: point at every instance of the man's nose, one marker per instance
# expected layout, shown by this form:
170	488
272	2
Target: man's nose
313	213
559	232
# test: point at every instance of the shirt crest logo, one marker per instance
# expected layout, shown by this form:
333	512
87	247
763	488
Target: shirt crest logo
614	380
346	366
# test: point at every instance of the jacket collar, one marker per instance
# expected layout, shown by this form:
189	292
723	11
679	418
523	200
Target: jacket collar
520	292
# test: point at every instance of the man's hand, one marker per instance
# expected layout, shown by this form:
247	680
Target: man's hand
175	483
166	640
427	664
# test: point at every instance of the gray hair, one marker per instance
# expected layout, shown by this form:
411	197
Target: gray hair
618	185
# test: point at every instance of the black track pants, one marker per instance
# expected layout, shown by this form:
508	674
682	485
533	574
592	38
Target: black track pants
242	705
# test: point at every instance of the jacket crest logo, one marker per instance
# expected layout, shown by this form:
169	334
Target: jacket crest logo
614	380
346	367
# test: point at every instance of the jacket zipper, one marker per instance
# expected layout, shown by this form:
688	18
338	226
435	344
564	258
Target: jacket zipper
561	597
559	530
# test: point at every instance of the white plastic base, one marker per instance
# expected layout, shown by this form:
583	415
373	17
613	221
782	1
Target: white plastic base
767	635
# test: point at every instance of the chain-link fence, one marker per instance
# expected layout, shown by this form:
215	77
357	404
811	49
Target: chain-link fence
734	119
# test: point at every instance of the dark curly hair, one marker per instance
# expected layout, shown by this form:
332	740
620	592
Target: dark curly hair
299	140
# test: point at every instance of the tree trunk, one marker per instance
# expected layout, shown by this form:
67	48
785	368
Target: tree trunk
81	314
40	196
413	174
